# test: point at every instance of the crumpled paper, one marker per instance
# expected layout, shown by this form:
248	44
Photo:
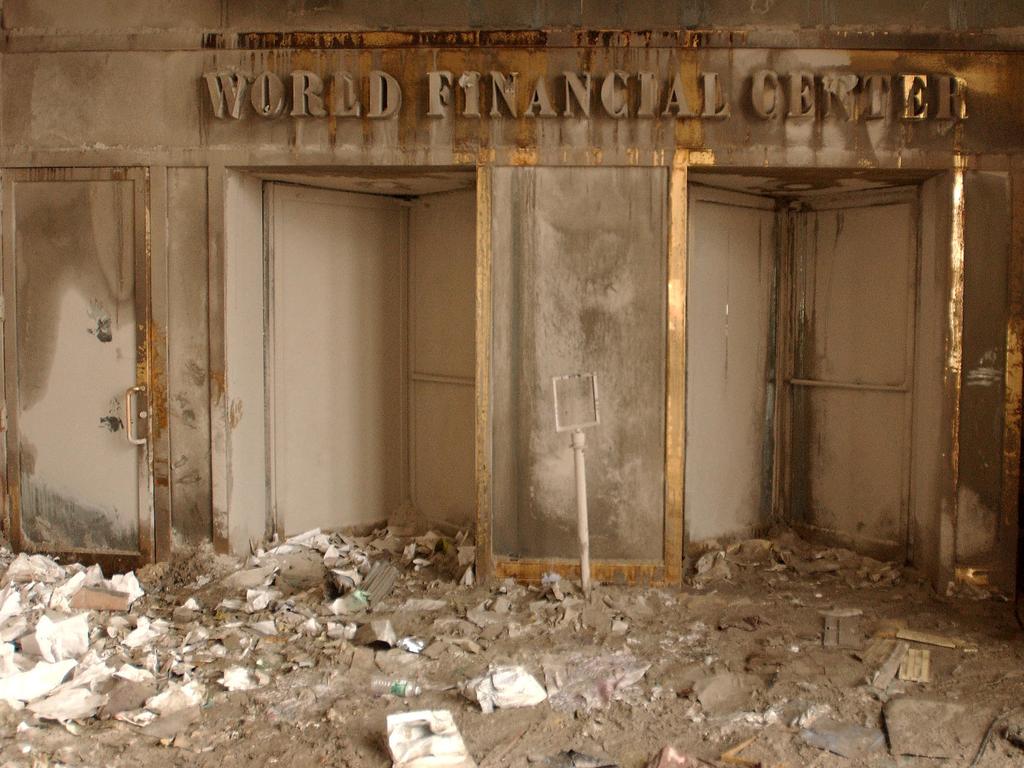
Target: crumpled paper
58	640
504	687
34	683
426	739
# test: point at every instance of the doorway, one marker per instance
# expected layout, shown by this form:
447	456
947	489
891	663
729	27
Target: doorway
76	364
802	331
850	354
369	317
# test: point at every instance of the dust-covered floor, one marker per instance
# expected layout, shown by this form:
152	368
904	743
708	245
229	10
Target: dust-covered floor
728	670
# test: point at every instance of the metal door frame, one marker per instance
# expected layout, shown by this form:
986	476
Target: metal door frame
111	561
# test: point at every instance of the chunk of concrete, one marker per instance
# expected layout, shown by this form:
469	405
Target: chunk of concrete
932	728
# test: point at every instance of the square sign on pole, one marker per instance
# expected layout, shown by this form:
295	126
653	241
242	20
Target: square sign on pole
575	401
576	408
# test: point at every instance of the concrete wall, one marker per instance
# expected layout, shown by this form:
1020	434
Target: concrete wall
188	355
931	491
579	272
985	537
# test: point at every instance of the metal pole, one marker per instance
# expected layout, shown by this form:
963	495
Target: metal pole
578	441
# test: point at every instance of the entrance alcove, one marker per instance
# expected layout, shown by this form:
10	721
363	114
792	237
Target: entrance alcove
350	348
816	320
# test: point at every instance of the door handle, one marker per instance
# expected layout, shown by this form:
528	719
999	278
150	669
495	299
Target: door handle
130	413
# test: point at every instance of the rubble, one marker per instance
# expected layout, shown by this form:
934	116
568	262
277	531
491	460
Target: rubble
576	682
725	693
101	599
232	658
927	727
572	759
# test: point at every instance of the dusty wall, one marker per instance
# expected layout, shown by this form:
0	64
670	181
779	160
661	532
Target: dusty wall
931	496
984	537
579	270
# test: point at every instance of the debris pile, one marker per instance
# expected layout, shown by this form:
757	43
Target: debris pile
383	649
76	645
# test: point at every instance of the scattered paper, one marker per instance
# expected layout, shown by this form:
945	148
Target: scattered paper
242	679
136	675
145	632
426	739
36	682
250	578
68	704
10	602
505	687
26	568
177	697
260	599
128	583
58	640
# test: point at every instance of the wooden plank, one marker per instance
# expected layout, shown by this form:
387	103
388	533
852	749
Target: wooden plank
917	666
887	671
927	638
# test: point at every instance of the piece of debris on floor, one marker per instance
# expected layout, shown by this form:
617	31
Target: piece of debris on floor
370	650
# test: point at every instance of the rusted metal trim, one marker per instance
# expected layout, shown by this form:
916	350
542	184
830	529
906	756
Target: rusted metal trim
954	348
560	37
160	438
484	320
1014	369
675	371
219	418
645	573
144	360
12	485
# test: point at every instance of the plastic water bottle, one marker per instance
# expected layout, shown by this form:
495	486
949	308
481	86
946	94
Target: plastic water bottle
388	686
